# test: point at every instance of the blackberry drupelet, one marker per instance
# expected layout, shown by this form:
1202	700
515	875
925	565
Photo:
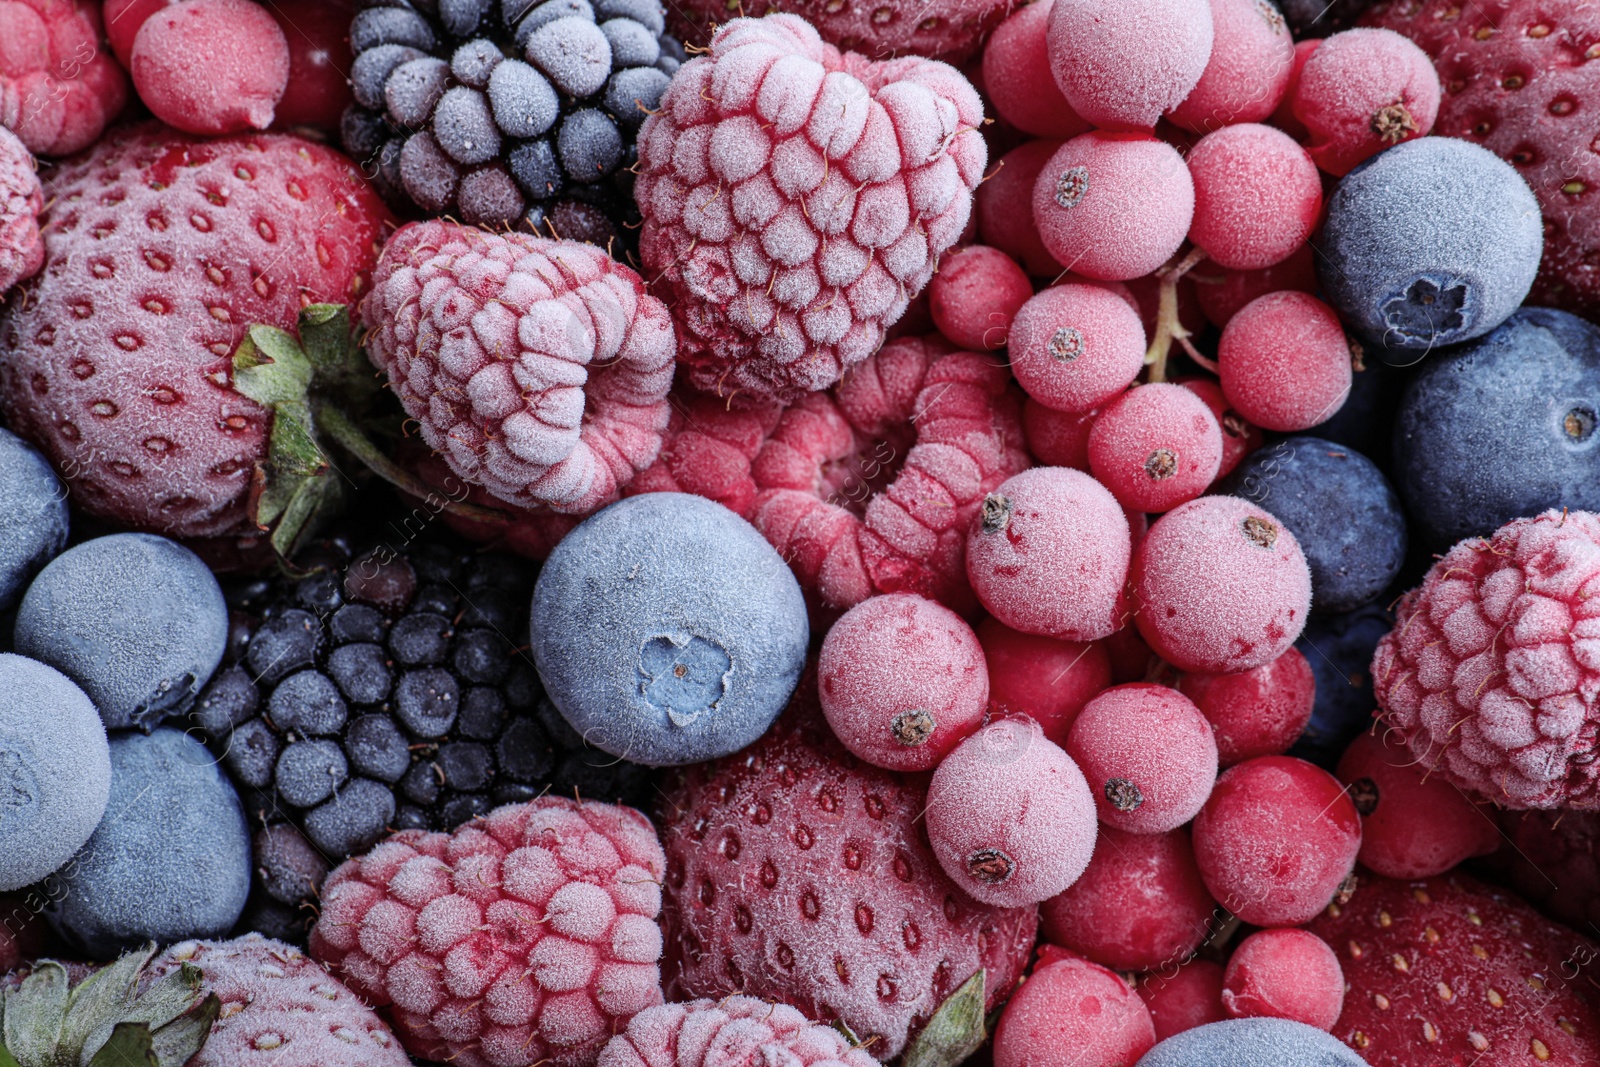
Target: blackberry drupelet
509	112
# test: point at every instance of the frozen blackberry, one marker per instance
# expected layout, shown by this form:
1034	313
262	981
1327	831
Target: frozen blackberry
509	112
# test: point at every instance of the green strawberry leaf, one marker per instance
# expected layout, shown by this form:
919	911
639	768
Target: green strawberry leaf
34	1013
98	1002
270	368
309	497
176	1043
6	1059
130	1045
955	1031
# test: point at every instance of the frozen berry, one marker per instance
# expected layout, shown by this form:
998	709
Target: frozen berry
1220	296
1184	997
1268	1042
1276	840
1285	362
1048	554
1139	906
1042	677
1148	754
1155	447
1257	194
1018	80
1131	659
1122	64
975	295
1413	824
1074	347
1239	436
902	681
1113	205
317	32
1072	1004
1058	438
1284	974
59	88
211	66
1283	117
1221	586
1362	91
1259	712
1003	206
1009	815
1248	71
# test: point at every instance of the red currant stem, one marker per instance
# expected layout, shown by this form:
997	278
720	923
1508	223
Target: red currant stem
1168	327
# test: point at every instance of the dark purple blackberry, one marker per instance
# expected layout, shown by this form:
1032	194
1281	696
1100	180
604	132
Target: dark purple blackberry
509	112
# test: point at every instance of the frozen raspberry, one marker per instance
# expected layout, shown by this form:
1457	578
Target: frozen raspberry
1121	64
1221	585
1248	72
902	681
1239	437
1155	447
1511	612
789	219
21	247
1221	295
1044	678
1018	81
1049	553
1113	205
729	1032
1139	906
1187	997
1413	824
1259	712
1010	816
1074	347
1286	362
1003	207
708	449
1057	438
528	934
975	296
1257	195
1284	974
1148	754
487	339
1276	840
1072	1004
951	30
58	88
871	489
211	66
1362	91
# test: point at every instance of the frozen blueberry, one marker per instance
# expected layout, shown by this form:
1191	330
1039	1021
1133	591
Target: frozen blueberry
55	770
171	858
1340	508
1255	1042
667	630
389	25
352	820
1339	649
631	93
414	89
1501	428
573	54
136	620
1430	243
589	144
33	515
428	174
523	102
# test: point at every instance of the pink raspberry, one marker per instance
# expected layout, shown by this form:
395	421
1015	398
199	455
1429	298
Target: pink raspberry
1257	195
708	450
1122	64
1155	447
1072	1004
1276	840
1362	91
21	247
1220	295
211	66
730	1032
524	936
1047	679
1018	80
1413	824
975	296
1248	71
902	681
1284	974
1009	815
1004	208
1259	712
1057	438
488	340
1239	437
1075	347
795	198
1488	675
1148	754
871	489
1286	362
1184	997
1221	585
59	89
1113	205
1140	905
1049	555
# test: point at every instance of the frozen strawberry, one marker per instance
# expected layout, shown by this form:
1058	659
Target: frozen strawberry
1046	679
58	87
1284	974
1070	1003
951	30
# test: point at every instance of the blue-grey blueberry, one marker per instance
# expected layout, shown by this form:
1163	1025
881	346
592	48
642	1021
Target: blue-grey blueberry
1255	1042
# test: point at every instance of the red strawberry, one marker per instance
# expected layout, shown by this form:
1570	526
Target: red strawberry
1447	972
798	873
1521	78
